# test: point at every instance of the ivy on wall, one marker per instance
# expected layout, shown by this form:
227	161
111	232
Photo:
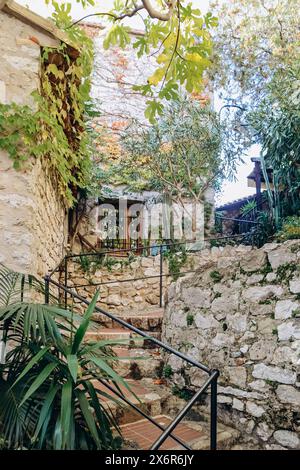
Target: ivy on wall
55	132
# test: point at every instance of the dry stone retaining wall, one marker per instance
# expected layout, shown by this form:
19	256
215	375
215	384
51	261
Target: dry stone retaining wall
121	296
130	295
240	313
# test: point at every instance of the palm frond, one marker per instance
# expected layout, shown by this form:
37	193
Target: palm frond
47	396
14	287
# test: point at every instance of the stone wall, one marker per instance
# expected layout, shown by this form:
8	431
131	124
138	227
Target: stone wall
32	215
33	223
133	296
240	313
129	296
20	46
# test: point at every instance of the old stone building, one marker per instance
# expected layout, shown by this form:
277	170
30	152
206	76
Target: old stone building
33	223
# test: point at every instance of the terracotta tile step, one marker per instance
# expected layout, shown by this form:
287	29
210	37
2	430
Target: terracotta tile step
142	434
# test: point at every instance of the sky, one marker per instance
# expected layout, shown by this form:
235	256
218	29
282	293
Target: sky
230	190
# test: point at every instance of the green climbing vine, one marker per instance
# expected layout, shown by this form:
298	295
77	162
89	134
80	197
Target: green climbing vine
54	130
177	258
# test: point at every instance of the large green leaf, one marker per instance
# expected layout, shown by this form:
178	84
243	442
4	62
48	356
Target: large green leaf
44	374
79	335
37	320
31	363
14	286
101	415
90	421
44	413
66	408
57	436
15	420
73	365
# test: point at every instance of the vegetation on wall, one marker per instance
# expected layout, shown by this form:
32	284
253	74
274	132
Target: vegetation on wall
55	130
290	229
89	264
177	258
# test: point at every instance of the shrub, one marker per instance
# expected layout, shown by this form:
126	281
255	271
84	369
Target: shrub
48	378
189	319
290	229
167	371
215	276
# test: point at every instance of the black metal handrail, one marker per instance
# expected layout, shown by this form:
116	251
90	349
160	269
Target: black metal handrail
213	374
211	381
245	224
129	326
236	220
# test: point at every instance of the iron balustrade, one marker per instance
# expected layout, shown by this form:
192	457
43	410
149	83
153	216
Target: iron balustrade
240	226
213	374
211	381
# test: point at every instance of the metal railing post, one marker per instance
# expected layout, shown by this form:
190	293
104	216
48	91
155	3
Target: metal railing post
161	439
47	289
160	276
213	411
66	281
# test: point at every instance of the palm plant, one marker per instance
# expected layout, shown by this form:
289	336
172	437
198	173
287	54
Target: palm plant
49	397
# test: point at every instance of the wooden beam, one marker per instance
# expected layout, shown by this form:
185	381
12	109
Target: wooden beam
27	16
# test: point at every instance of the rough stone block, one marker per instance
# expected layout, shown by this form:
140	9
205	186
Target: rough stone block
238	404
205	321
287	439
253	261
237	376
288	394
262	349
276	374
288	331
254	410
280	256
260	294
284	309
295	285
196	297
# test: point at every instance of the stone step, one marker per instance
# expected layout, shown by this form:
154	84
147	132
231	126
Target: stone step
127	338
146	395
138	363
142	434
146	321
151	397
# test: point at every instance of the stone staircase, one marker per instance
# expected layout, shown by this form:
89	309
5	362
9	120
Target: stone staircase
141	364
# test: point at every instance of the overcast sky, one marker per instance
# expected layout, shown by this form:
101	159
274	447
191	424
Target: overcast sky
230	190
